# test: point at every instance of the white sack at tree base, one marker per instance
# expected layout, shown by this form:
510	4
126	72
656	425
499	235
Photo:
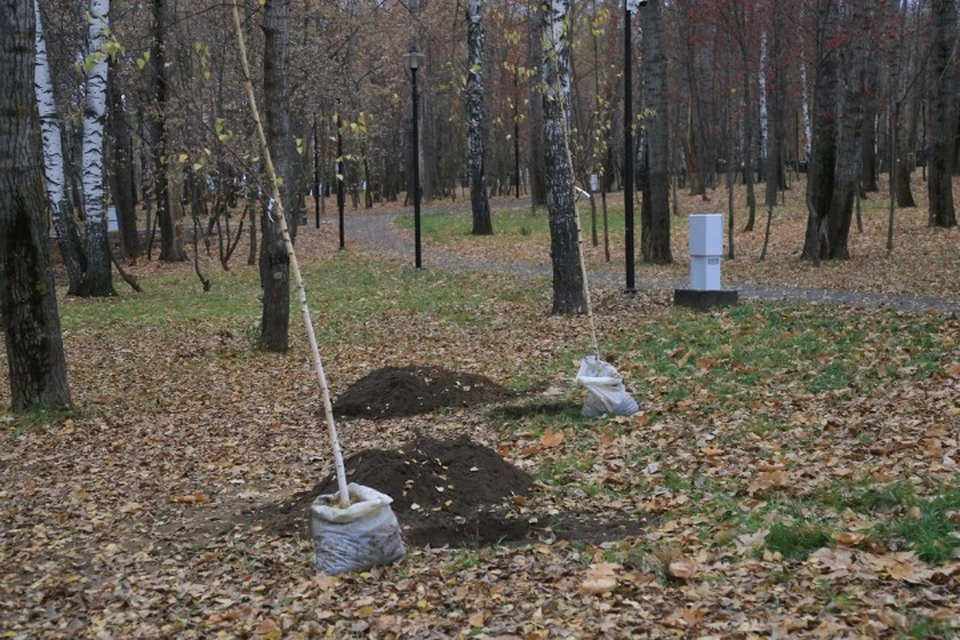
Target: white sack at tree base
365	534
607	393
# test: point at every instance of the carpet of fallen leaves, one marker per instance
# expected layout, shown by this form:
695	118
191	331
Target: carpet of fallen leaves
925	261
124	519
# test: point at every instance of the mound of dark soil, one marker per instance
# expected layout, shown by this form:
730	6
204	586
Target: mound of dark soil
394	392
445	492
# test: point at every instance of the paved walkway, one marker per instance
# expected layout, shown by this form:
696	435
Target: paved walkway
378	233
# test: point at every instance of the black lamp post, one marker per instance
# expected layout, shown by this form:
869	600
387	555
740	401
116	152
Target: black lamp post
413	58
340	177
631	286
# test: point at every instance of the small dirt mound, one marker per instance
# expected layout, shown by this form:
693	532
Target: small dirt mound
445	492
394	392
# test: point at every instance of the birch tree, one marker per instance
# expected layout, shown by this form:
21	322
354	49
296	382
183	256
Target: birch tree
68	237
476	116
28	300
98	276
569	295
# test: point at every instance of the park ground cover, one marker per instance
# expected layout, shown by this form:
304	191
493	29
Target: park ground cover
792	472
925	261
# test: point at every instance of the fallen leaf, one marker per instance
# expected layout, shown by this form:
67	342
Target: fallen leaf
551	439
682	569
601	578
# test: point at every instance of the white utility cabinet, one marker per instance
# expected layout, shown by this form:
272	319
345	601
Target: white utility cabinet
706	251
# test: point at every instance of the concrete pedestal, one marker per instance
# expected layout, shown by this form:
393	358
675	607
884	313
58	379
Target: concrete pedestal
704	300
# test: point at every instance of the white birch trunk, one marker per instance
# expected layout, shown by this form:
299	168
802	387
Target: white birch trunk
49	126
53	159
805	101
97	280
475	121
569	290
764	123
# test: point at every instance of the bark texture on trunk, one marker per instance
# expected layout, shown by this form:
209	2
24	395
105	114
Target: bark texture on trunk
777	117
538	171
748	156
655	212
122	175
822	165
98	276
476	145
68	236
171	238
569	295
871	106
942	114
28	300
847	174
274	262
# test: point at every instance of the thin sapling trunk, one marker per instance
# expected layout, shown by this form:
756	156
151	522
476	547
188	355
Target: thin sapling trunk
288	242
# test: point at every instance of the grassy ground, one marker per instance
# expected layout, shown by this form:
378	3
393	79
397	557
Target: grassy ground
797	465
924	261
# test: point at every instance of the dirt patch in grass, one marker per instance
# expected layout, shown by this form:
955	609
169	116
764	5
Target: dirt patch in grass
451	492
395	392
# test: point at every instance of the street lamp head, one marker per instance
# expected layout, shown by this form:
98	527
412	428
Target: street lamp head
633	5
413	59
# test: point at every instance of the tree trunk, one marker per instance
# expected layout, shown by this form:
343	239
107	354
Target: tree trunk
868	147
779	95
171	240
655	219
98	277
569	294
748	163
822	165
274	262
847	174
764	114
122	175
429	134
538	170
476	145
28	299
942	114
68	237
907	159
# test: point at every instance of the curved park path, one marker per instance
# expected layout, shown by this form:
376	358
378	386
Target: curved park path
377	232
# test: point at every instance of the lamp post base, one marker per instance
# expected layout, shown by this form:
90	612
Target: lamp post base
704	300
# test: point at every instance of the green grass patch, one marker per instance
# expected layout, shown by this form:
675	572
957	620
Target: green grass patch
451	227
924	627
737	354
933	532
867	498
926	524
37	420
796	541
345	294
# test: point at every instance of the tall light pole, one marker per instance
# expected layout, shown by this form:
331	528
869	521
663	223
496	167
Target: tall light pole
413	58
628	7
